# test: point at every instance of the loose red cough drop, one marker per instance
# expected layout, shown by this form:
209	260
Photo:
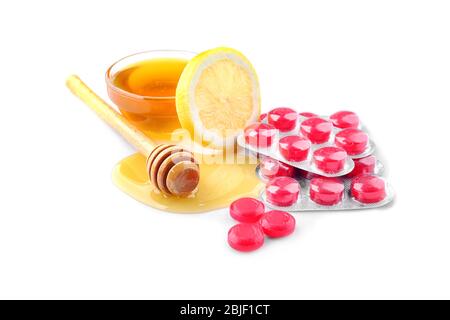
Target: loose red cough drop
316	129
260	135
368	189
246	237
326	191
294	148
345	119
363	166
284	119
330	159
354	141
276	224
271	168
247	210
282	191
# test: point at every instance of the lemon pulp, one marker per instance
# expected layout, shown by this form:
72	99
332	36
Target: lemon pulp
217	96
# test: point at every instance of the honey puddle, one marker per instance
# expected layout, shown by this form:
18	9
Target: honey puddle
219	185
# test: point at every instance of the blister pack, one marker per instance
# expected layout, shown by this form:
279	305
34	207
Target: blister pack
294	190
301	176
322	145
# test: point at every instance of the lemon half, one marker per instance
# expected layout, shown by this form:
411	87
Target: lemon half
217	96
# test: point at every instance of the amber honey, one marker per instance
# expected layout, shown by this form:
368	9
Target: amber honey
220	184
143	87
153	78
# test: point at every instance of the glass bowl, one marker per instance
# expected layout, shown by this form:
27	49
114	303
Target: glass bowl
135	105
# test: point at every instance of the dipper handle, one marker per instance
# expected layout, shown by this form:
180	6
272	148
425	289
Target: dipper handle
172	169
110	115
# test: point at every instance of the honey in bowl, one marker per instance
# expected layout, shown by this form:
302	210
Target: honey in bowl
156	78
143	88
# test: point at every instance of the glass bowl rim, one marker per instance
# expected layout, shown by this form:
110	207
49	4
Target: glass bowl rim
112	86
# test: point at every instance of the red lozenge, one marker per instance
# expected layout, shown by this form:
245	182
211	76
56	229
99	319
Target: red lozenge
246	237
329	159
368	189
353	141
364	165
294	148
317	130
283	119
276	224
282	191
271	168
326	191
247	210
260	135
345	119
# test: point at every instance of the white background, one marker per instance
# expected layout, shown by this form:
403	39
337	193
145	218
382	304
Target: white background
67	232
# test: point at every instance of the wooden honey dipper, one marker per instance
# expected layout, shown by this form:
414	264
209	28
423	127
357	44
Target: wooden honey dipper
172	169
